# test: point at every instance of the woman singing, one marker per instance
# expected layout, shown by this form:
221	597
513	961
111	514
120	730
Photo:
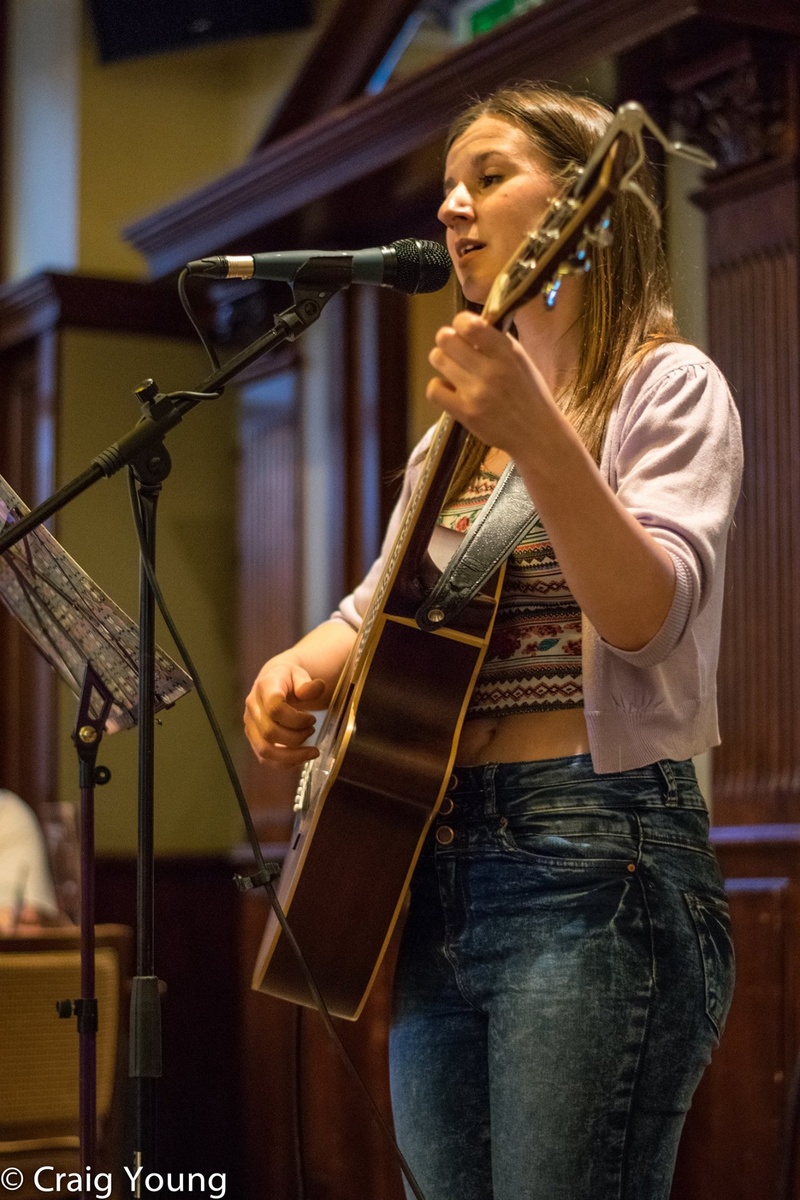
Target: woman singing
566	966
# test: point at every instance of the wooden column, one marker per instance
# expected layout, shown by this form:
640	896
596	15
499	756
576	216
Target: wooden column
754	332
743	105
27	685
376	404
270	582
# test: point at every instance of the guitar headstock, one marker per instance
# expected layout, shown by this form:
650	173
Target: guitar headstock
581	221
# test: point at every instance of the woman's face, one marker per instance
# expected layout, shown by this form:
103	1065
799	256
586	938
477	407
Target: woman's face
496	192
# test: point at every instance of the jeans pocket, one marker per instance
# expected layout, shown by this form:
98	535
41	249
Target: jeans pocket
602	842
712	925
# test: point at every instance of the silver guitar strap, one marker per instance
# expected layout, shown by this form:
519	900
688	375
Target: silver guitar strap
501	525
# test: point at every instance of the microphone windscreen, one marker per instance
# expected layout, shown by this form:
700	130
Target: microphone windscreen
421	266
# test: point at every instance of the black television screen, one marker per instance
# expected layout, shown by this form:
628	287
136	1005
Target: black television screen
130	28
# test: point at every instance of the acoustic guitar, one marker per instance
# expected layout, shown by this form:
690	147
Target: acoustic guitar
388	742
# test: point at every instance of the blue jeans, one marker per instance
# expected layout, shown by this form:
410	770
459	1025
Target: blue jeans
565	972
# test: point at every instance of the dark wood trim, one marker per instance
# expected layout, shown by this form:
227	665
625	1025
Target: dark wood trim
4	140
50	301
196	922
28	688
732	1138
341	64
372	132
719	192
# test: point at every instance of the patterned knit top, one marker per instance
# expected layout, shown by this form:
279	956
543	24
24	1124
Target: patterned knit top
533	661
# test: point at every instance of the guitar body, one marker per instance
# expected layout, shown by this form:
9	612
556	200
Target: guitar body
387	748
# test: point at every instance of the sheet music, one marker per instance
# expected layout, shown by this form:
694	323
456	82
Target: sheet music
73	621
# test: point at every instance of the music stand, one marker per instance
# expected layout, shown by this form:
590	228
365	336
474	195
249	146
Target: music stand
94	647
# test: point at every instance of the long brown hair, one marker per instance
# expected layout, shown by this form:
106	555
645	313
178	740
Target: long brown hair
627	306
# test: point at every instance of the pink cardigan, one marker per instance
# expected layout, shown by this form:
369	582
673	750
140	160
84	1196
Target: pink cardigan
673	455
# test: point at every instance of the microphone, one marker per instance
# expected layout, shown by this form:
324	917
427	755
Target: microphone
409	266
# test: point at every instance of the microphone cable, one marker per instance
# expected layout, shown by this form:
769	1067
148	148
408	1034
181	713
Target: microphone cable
187	308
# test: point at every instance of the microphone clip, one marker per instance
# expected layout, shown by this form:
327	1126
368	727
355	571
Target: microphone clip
314	284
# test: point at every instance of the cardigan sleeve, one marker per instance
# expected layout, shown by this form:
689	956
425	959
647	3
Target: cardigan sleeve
677	467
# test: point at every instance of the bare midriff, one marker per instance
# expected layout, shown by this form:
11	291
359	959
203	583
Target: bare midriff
523	737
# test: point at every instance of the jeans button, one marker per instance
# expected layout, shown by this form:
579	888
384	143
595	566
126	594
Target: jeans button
446	807
453	783
444	835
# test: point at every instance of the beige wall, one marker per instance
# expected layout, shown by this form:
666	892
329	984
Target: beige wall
153	129
195	559
426	314
92	147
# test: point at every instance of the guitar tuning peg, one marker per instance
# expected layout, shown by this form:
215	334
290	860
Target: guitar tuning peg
601	236
550	292
578	263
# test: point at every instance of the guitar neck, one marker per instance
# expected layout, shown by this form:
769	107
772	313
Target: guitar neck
409	573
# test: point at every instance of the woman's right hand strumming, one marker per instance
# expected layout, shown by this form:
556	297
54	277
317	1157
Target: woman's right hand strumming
289	688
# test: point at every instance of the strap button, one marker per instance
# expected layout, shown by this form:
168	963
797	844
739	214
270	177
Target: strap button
435	615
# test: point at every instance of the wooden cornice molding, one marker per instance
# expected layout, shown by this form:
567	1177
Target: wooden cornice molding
51	301
343	60
372	132
717	193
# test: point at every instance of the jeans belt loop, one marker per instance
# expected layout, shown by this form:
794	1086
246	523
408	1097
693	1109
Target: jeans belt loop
489	789
665	767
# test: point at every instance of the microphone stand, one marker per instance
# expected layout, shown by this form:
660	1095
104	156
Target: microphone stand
143	451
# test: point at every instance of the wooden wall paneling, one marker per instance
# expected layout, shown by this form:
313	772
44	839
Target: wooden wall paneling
754	331
309	1135
743	106
196	933
40	690
757	852
269	1115
376	410
741	103
345	1154
270	582
731	1146
393	385
4	125
27	685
